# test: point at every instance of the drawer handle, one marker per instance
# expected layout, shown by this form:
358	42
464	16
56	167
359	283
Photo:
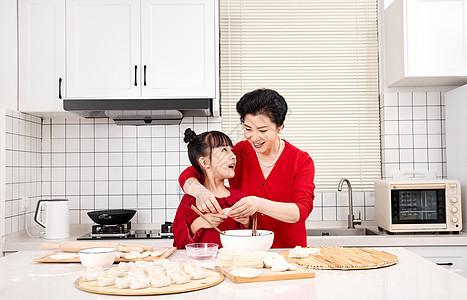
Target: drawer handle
59	88
144	75
445	264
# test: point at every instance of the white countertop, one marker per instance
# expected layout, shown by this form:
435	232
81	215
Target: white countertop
21	241
412	278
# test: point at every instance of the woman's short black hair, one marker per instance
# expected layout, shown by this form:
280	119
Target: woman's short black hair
201	145
263	101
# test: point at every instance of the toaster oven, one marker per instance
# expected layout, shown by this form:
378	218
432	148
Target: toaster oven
418	205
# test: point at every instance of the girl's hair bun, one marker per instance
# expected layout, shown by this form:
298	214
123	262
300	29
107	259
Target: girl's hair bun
190	136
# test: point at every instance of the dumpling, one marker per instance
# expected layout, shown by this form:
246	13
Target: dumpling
92	273
106	279
179	277
125	267
116	271
123	283
279	266
298	252
160	262
160	281
139	283
197	273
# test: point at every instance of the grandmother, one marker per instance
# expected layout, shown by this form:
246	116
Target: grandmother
277	175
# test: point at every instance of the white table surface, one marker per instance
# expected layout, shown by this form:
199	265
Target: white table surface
412	278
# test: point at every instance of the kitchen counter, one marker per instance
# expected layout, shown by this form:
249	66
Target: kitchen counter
412	278
21	241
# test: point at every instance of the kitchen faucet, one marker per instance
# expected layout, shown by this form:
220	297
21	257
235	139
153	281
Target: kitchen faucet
351	221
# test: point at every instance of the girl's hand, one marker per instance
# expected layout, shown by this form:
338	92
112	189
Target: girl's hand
215	220
244	221
245	207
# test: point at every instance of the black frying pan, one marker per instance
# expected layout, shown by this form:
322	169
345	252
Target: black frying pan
112	216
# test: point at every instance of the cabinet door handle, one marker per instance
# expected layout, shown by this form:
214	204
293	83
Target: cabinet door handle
144	75
59	88
445	264
136	75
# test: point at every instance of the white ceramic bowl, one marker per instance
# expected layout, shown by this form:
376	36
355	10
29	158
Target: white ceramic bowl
97	257
201	251
242	239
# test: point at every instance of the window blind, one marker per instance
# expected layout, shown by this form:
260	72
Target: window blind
322	56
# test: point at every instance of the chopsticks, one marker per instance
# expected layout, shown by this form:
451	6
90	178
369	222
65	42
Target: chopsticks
255	224
205	219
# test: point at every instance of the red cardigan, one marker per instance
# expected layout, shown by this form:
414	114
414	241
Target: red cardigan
290	180
185	216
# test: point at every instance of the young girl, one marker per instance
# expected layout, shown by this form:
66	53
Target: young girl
211	154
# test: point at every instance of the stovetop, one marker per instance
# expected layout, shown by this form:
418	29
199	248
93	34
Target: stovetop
131	234
124	231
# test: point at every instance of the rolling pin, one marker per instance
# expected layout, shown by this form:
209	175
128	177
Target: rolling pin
77	246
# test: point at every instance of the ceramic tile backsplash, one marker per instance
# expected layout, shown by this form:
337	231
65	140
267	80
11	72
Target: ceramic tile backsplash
413	132
99	165
22	168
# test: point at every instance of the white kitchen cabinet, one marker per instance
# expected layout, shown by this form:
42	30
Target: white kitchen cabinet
426	43
141	48
41	55
453	258
178	48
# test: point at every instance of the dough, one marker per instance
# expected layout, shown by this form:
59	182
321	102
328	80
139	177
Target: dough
246	272
64	256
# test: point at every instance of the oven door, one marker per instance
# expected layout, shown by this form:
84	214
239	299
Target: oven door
418	205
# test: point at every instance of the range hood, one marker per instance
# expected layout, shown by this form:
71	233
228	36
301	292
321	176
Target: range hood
140	111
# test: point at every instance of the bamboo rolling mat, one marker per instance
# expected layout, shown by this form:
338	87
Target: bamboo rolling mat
339	258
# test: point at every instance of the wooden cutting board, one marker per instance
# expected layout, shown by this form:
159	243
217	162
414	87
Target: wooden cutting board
212	279
167	251
340	258
267	275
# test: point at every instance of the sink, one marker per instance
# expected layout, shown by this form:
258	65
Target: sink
340	232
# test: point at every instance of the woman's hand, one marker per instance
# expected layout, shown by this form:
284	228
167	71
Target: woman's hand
245	207
205	200
214	219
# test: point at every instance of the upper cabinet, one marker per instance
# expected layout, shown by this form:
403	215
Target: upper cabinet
147	48
116	49
103	48
426	43
41	55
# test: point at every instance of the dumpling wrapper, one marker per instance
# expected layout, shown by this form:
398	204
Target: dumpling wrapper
246	272
226	211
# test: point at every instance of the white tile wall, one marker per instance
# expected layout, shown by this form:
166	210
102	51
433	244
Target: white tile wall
413	132
99	165
22	168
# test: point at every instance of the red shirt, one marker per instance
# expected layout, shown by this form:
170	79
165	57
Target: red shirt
290	180
185	216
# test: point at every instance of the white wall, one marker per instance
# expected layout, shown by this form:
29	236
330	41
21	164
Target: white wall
8	54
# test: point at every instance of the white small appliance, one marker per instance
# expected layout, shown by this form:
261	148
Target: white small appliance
418	205
56	223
